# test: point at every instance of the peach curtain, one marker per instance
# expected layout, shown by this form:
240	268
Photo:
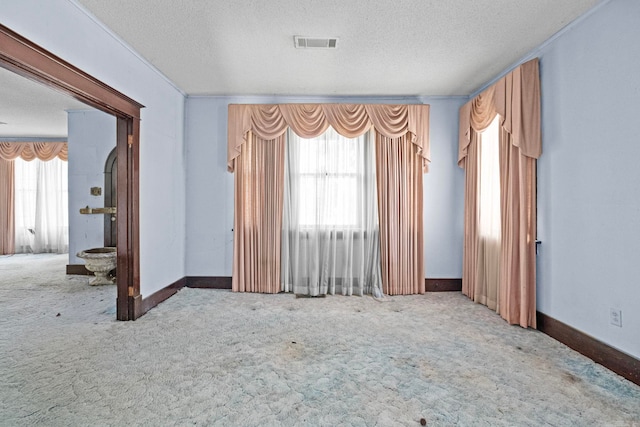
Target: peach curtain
28	151
399	183
7	211
471	208
516	98
517	291
259	180
248	124
33	150
270	121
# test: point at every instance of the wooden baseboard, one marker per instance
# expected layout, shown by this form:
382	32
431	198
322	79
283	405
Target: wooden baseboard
443	285
224	282
162	295
137	307
609	357
78	269
209	282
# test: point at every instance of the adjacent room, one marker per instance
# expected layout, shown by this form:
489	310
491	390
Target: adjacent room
319	213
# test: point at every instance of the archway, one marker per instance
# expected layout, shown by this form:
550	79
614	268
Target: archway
110	198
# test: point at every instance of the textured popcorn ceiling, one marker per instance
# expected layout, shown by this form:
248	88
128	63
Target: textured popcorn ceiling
29	109
386	47
236	47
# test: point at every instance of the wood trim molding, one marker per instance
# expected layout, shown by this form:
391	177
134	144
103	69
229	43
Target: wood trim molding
607	356
78	269
209	282
224	282
443	285
128	270
29	60
33	62
162	295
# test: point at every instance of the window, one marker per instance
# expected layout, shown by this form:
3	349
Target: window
41	207
330	222
489	221
331	171
489	182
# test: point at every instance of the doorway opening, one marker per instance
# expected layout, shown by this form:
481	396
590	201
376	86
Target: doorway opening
29	60
110	198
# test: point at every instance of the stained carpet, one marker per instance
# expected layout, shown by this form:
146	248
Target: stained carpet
207	357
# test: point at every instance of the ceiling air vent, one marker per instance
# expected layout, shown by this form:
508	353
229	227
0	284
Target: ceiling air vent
302	42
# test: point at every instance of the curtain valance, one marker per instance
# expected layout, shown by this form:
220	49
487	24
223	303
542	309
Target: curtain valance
516	97
269	121
32	150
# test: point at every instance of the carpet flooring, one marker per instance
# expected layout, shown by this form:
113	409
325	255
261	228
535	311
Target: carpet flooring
208	357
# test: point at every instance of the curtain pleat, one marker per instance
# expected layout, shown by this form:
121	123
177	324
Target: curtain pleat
471	207
349	120
399	179
7	200
518	252
305	120
267	122
33	150
259	181
516	98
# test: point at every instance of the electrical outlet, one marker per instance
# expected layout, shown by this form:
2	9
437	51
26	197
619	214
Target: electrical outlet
615	316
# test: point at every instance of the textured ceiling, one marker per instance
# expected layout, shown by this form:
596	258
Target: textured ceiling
222	47
386	47
31	109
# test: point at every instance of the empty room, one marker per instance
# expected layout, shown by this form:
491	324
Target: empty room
300	212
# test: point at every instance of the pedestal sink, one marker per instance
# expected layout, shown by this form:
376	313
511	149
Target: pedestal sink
100	261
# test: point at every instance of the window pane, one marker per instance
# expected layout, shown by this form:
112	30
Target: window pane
490	182
328	168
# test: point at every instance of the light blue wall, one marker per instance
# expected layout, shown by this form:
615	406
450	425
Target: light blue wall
64	28
209	189
589	177
444	192
210	186
91	137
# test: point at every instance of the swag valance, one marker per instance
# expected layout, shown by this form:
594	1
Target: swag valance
32	150
269	121
516	97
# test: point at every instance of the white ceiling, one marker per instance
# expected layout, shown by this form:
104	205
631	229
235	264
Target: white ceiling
386	47
31	109
245	47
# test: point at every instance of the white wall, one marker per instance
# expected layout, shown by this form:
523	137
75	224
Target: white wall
65	29
91	137
589	178
210	186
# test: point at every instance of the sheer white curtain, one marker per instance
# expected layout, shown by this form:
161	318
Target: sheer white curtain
489	223
41	207
330	228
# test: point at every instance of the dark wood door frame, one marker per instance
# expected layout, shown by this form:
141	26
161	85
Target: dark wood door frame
33	62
